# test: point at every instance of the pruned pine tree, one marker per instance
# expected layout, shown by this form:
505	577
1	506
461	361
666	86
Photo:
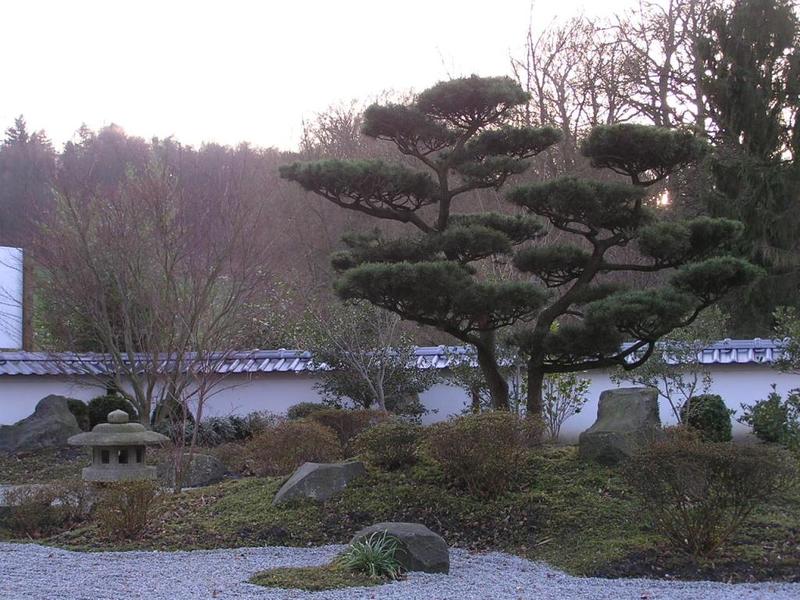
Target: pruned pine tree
589	322
459	133
571	319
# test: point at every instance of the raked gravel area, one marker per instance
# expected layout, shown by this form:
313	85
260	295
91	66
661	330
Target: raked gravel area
30	571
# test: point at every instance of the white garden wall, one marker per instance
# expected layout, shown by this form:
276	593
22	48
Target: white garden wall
19	394
276	392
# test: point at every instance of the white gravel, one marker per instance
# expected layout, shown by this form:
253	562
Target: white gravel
30	571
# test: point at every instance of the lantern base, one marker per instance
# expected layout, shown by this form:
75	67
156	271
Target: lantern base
119	473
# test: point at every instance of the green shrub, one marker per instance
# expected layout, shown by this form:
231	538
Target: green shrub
303	410
102	405
80	411
279	450
373	556
775	420
347	424
698	494
126	508
708	415
390	445
214	431
40	510
233	456
482	453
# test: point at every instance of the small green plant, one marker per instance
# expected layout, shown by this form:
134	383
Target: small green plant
775	420
563	396
126	508
708	415
390	445
102	405
373	556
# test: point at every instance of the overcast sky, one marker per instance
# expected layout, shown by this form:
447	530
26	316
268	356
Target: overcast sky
235	70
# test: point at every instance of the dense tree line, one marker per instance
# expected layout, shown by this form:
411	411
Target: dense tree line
726	70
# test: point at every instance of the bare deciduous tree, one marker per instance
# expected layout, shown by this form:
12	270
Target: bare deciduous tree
164	282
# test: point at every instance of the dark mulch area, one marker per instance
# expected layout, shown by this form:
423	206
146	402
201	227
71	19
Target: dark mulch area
737	563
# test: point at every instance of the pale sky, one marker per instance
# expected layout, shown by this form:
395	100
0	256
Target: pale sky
236	70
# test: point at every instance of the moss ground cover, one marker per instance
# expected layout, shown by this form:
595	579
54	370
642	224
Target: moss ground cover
43	466
314	579
577	516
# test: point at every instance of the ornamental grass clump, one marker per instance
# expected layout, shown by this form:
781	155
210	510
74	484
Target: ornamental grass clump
373	556
482	453
698	494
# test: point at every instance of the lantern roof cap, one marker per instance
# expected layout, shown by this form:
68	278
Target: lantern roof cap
118	432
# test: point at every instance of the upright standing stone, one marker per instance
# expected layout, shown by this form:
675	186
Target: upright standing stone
627	419
50	425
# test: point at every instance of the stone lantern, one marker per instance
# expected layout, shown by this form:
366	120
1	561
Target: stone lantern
118	449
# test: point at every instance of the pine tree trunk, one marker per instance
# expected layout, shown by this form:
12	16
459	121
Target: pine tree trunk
475	396
535	383
498	388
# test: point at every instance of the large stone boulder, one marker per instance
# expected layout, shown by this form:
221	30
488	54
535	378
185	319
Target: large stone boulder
418	548
627	419
48	427
204	469
319	481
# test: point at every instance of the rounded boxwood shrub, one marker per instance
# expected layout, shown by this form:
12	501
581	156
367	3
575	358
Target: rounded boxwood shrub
279	450
303	410
709	416
102	405
80	411
390	445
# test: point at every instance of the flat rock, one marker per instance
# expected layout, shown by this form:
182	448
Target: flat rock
319	481
203	470
418	549
627	419
48	427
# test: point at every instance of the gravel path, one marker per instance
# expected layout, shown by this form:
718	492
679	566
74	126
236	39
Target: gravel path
30	571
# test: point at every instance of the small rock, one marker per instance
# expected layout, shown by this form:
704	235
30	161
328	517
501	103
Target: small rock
319	481
419	548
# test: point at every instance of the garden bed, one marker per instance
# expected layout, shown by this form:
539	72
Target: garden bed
575	515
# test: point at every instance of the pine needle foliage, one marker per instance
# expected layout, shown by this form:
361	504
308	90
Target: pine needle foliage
565	315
